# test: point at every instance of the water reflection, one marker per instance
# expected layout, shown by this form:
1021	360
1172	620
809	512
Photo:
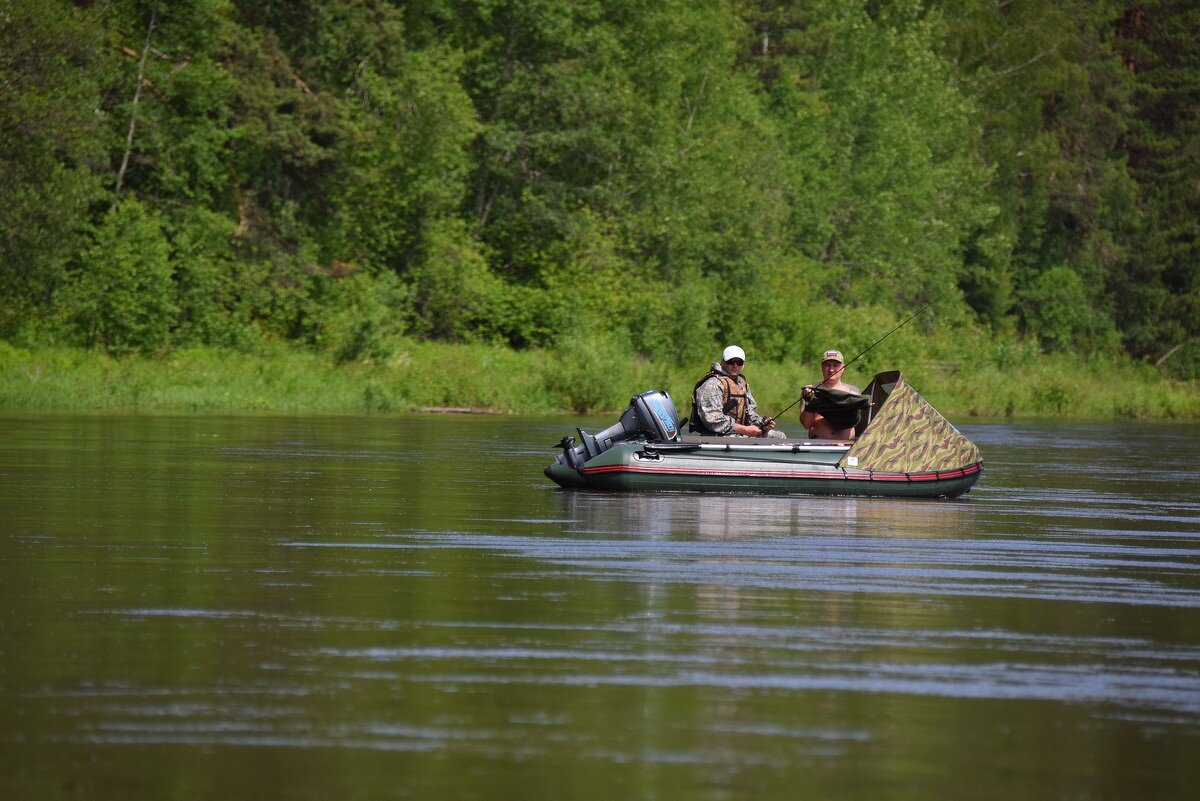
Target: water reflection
713	516
870	545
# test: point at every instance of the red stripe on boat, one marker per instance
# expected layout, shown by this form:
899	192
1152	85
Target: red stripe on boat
830	476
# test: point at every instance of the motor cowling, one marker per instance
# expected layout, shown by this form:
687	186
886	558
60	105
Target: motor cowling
651	416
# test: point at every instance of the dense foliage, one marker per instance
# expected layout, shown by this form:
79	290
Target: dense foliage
617	176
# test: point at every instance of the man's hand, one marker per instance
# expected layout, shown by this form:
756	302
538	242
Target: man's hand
767	424
807	392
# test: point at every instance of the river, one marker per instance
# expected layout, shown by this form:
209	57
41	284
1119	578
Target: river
322	608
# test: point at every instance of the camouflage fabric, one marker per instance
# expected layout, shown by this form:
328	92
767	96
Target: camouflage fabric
910	436
840	408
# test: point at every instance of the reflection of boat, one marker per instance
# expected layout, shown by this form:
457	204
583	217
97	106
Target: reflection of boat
737	516
905	448
725	517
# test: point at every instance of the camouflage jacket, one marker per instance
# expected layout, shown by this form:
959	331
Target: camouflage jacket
709	415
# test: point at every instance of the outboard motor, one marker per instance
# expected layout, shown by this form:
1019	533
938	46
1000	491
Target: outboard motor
651	416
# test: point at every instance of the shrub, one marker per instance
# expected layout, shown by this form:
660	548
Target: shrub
355	316
592	372
212	286
1059	312
122	297
456	296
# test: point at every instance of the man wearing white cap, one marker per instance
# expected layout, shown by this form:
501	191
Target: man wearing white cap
722	404
832	365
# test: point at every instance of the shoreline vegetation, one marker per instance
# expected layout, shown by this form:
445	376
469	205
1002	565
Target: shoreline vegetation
241	205
584	377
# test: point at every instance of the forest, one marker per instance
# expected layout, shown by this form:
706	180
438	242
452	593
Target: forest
607	178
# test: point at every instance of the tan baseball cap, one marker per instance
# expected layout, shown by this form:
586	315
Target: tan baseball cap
832	356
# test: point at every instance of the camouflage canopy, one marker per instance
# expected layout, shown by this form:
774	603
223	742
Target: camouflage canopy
907	435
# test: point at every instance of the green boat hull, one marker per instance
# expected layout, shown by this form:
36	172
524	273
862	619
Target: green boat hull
754	466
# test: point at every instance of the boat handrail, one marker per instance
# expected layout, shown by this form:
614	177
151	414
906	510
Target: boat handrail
788	446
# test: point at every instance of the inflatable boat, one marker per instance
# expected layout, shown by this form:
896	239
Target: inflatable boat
903	448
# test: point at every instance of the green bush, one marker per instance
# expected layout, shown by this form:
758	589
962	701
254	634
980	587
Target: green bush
456	296
121	297
676	321
592	372
1058	309
213	287
355	316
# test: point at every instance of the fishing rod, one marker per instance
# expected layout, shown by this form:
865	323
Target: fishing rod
876	342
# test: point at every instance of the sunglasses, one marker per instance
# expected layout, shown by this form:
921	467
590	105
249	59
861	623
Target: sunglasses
737	361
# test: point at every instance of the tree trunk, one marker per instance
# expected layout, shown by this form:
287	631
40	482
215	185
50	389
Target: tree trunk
137	94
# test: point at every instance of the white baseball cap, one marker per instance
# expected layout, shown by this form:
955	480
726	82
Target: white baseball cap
733	352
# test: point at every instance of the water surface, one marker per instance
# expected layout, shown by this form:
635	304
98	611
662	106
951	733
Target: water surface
316	608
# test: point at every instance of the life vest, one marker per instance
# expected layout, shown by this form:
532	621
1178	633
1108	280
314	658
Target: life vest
733	395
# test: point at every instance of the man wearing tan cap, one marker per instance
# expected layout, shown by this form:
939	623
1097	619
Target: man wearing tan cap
832	365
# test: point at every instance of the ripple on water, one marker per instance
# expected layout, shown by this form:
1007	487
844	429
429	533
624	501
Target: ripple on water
967	567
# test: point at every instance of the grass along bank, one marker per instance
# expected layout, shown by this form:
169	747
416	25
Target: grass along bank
581	377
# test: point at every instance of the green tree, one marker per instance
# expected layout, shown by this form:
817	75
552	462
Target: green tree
50	149
1052	106
676	174
408	166
622	120
352	150
906	179
168	99
1158	295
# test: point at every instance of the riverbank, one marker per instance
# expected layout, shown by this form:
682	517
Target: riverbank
583	377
